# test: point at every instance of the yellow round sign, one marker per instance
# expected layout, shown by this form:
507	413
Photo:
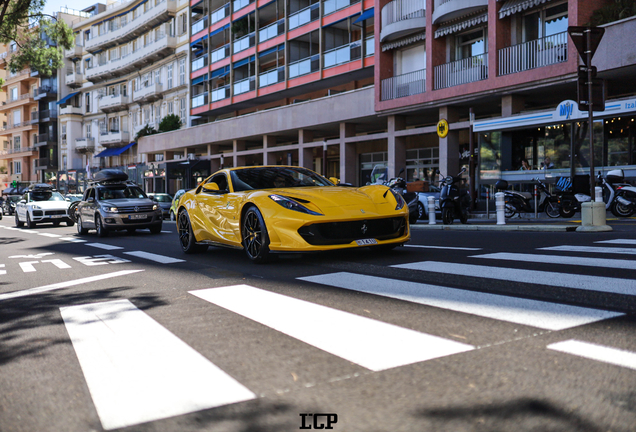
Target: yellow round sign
442	128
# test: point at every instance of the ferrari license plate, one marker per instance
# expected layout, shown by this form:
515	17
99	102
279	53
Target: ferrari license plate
138	216
365	242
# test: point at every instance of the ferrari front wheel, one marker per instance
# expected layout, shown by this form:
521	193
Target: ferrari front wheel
186	236
255	238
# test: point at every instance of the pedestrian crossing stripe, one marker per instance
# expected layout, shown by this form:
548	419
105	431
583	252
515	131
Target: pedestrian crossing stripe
619	241
372	344
137	371
154	257
535	313
564	280
558	259
592	249
596	352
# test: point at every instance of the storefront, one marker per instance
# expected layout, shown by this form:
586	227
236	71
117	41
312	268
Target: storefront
187	174
154	178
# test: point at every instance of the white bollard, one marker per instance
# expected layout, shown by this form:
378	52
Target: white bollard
431	210
598	192
500	205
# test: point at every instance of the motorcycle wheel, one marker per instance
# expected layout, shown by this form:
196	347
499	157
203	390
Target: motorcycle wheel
552	210
509	211
463	218
567	212
448	216
620	210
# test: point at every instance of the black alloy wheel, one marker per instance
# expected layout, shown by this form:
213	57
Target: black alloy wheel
421	212
448	216
255	238
99	227
186	236
80	228
552	209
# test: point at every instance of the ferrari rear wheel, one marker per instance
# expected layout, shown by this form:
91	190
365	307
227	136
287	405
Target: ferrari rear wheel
255	238
186	236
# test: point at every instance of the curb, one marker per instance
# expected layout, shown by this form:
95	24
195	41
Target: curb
494	227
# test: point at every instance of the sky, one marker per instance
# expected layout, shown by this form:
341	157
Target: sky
55	5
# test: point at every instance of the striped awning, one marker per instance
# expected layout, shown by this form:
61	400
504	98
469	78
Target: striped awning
403	42
460	24
514	6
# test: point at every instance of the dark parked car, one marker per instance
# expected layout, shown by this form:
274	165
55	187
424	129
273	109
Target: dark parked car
9	204
111	203
164	200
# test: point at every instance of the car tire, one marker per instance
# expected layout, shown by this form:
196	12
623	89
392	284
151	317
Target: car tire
155	229
186	236
255	238
80	228
421	211
131	231
29	223
172	218
56	223
99	227
70	222
17	221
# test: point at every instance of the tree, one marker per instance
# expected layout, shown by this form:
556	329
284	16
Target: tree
169	123
144	131
39	38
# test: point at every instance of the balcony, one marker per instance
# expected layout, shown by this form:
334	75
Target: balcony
44	139
114	138
74	79
45	164
160	48
331	6
462	71
85	145
304	16
18	127
220	13
220	93
342	54
20	100
240	4
132	29
220	53
401	18
199	100
404	85
534	54
113	103
43	116
445	10
244	85
304	66
75	52
44	92
17	76
149	93
271	31
273	76
245	42
70	110
11	152
199	63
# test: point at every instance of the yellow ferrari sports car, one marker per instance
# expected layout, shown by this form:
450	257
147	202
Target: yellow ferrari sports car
277	209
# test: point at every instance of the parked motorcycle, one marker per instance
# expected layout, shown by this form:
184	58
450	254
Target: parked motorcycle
622	200
454	201
398	184
548	202
516	202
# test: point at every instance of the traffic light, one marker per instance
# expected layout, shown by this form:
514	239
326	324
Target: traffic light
598	90
14	183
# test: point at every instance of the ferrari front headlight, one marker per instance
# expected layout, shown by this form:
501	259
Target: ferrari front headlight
290	204
398	199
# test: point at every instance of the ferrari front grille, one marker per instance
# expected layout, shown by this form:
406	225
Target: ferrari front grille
334	233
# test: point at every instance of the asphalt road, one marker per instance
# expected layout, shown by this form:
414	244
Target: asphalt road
457	331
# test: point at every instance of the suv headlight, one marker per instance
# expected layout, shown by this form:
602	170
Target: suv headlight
155	207
290	204
398	199
36	207
111	209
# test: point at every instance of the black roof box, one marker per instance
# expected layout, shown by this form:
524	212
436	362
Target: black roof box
111	175
40	186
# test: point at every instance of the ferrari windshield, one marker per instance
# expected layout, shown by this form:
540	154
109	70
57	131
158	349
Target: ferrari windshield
274	177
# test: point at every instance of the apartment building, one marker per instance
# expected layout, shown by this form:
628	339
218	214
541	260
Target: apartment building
282	82
128	70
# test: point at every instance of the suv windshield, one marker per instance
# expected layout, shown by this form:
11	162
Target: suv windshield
45	196
121	192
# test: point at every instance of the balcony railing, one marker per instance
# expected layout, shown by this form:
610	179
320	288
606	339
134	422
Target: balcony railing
44	139
408	84
20	98
199	100
113	102
17	75
401	10
220	13
245	42
70	109
343	54
330	6
19	150
462	71
304	66
44	115
114	138
199	63
244	85
220	93
304	16
76	51
199	25
84	144
148	93
271	31
74	78
45	163
271	77
534	54
220	54
240	4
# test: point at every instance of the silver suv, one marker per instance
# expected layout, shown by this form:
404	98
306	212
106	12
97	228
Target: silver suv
114	206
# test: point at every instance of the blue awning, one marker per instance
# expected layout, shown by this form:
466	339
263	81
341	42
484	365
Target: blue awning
115	151
245	61
220	72
369	13
196	42
66	98
219	30
199	80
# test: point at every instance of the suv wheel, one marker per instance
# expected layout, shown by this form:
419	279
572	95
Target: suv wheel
29	224
17	221
80	228
99	227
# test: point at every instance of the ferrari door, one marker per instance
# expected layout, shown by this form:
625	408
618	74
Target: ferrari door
216	212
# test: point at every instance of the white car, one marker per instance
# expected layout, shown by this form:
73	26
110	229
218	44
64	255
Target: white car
422	204
41	203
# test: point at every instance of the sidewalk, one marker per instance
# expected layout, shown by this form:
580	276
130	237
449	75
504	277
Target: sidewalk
524	222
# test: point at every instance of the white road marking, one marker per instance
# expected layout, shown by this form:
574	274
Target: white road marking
27	266
13	228
58	263
596	352
592	249
103	246
619	241
73	239
591	283
154	257
33	256
67	284
96	260
2	272
49	235
442	247
540	314
167	232
137	371
369	343
559	259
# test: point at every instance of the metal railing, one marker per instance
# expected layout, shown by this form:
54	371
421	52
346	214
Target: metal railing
245	85
44	138
244	42
199	63
462	71
240	4
20	150
342	54
404	85
19	98
200	100
400	10
271	77
304	66
220	93
330	6
220	13
220	54
271	31
533	54
304	16
199	25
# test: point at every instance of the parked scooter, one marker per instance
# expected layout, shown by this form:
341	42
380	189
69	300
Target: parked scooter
453	200
516	202
548	202
398	184
571	201
622	199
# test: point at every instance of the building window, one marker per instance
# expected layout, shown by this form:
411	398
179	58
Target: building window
88	102
169	76
13	94
182	112
471	44
545	22
170	107
158	76
88	130
17	118
182	71
16	143
17	167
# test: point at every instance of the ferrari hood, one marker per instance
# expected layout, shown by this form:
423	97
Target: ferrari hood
342	197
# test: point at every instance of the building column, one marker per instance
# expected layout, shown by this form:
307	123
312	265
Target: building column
347	154
511	104
269	158
237	146
396	146
305	155
449	146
